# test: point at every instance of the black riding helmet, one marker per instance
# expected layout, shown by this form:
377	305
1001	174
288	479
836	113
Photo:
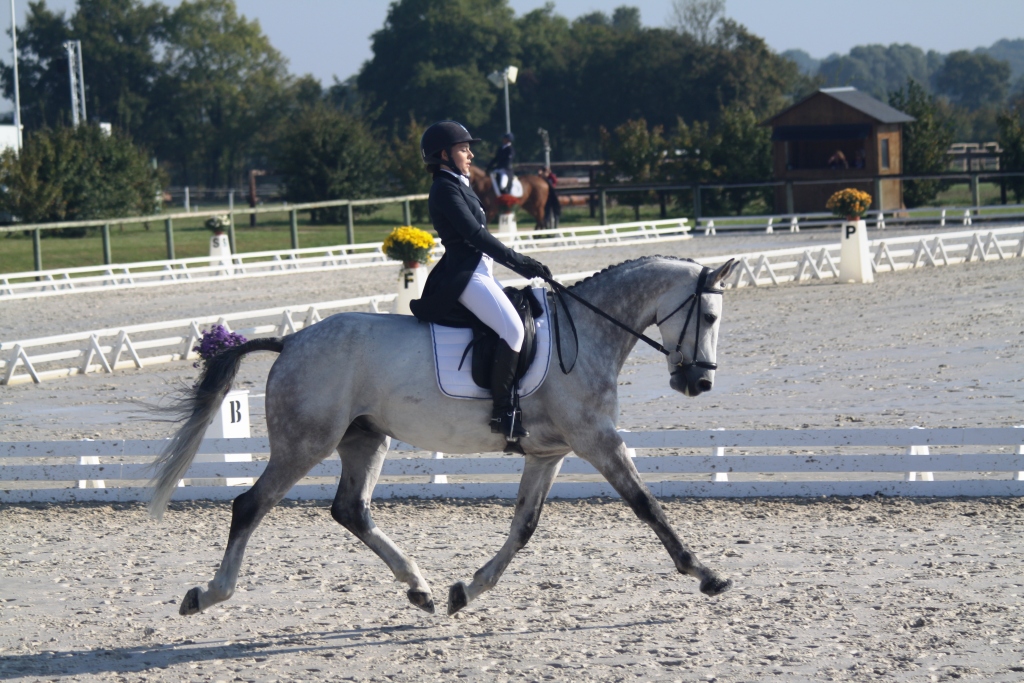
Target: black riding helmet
442	136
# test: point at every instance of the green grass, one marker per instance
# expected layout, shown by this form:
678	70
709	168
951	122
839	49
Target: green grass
136	243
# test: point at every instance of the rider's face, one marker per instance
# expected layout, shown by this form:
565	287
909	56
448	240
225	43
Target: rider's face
462	157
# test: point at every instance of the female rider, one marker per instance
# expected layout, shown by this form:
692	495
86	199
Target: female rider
464	276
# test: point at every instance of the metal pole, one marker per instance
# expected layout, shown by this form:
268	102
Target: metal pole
37	248
975	190
169	230
407	212
351	225
188	200
293	218
231	220
789	197
696	202
106	244
81	79
17	92
603	206
878	193
72	77
508	118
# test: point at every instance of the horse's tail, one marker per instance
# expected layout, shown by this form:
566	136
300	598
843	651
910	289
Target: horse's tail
197	408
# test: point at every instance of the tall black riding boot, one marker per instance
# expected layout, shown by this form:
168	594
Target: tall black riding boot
506	418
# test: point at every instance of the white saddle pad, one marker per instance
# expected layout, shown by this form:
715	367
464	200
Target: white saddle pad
450	343
517	187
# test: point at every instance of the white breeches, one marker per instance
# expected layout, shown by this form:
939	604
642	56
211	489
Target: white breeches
501	177
484	298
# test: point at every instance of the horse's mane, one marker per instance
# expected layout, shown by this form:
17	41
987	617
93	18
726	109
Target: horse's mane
631	262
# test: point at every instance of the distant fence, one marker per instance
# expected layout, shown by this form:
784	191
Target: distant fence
31	284
928	462
107	350
168	219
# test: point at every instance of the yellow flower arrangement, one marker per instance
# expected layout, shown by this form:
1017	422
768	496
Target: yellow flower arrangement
849	203
409	245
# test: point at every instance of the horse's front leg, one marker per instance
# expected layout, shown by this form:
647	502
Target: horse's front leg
538	475
606	452
362	456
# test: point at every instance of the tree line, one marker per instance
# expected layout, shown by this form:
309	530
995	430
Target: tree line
197	95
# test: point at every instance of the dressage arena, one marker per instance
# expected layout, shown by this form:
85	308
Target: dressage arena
835	589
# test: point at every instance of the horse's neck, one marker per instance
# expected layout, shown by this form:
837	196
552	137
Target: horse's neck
629	295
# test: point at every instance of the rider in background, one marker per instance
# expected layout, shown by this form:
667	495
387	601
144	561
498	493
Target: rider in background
464	275
502	163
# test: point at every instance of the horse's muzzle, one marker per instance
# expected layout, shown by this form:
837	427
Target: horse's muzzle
692	381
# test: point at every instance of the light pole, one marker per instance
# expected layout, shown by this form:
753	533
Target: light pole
547	147
77	78
17	93
501	79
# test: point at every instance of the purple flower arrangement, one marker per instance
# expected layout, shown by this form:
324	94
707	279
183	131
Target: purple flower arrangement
215	340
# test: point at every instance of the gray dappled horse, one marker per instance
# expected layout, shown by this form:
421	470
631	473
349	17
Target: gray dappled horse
355	380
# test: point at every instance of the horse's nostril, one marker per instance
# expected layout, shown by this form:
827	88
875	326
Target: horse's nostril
704	384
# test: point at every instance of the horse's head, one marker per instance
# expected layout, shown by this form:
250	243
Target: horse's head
688	317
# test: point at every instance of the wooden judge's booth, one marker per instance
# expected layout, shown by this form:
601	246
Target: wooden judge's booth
841	135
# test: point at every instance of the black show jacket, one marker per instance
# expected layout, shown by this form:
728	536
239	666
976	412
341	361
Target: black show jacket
503	159
461	223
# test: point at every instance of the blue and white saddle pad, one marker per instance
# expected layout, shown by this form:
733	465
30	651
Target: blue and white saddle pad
450	343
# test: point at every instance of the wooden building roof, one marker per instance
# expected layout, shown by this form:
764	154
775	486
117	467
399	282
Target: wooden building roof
865	104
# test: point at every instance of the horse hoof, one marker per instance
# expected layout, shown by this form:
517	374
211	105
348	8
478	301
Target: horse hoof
457	598
190	605
422	600
713	585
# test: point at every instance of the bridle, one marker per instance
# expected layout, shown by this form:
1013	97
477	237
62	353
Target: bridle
694	300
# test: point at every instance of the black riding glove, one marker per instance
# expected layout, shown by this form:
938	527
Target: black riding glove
531	267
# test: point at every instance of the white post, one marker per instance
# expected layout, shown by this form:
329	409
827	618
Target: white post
439	478
855	259
188	204
507	226
769	230
410	286
719	451
1020	451
220	251
231	422
919	450
90	483
794	224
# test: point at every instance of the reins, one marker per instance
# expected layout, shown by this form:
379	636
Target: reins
561	289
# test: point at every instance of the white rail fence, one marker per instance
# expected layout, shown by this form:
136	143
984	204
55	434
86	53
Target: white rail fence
110	349
928	217
55	282
726	463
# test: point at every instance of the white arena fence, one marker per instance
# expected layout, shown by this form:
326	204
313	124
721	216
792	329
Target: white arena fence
927	217
722	463
106	350
55	282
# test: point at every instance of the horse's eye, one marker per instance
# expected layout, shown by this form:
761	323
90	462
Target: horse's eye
710	318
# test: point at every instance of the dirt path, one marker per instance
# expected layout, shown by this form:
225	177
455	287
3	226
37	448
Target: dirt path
860	590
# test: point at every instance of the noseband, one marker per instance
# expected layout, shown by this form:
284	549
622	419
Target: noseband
695	302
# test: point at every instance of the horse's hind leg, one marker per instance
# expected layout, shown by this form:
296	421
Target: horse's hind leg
538	475
362	454
606	451
247	511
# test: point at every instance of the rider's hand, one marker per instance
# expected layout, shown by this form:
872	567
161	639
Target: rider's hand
531	267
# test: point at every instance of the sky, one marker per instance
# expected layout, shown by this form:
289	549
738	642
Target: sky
331	38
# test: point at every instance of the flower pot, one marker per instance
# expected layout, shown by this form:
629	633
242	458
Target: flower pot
409	265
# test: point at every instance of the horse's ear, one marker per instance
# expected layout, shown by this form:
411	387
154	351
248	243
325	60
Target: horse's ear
723	271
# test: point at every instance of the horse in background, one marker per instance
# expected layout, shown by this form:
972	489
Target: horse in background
533	201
